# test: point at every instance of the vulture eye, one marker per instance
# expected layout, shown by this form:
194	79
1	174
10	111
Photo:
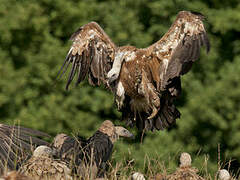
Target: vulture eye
114	75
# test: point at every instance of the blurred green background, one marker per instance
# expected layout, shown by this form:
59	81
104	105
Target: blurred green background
34	39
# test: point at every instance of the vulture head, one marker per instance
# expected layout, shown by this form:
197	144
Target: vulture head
114	132
43	151
59	140
185	160
223	174
112	76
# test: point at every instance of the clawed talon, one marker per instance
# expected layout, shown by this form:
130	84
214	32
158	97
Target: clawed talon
154	113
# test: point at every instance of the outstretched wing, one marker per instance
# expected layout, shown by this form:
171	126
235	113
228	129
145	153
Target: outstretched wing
16	142
172	56
180	46
91	53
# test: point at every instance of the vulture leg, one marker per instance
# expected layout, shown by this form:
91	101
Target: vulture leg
153	100
120	96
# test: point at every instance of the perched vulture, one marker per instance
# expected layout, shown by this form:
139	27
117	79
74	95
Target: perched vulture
16	143
42	165
90	156
185	171
145	81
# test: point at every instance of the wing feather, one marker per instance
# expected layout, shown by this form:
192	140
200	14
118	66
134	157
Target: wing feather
16	141
180	46
196	51
92	52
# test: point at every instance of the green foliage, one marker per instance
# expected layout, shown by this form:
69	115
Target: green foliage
34	42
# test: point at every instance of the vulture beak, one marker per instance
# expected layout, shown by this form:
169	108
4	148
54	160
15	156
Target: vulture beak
111	79
121	131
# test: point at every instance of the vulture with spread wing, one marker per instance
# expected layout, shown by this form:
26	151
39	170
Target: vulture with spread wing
145	81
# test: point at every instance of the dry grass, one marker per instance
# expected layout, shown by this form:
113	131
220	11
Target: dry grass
124	169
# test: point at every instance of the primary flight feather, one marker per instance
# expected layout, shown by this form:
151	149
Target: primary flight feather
16	142
145	81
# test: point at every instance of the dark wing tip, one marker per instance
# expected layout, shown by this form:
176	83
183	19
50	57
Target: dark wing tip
207	42
72	72
208	45
30	131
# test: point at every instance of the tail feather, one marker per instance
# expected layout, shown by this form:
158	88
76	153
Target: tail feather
165	118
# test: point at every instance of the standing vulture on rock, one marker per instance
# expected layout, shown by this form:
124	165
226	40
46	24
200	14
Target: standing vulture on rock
16	143
145	81
90	156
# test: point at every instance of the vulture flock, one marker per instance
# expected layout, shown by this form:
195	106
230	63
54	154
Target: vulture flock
63	159
145	82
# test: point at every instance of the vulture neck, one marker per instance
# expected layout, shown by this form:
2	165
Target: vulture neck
111	135
117	63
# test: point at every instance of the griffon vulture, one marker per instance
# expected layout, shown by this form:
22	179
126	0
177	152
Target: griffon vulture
145	81
16	143
42	165
93	153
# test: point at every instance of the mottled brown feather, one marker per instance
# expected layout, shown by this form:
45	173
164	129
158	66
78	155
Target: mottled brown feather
86	54
181	48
